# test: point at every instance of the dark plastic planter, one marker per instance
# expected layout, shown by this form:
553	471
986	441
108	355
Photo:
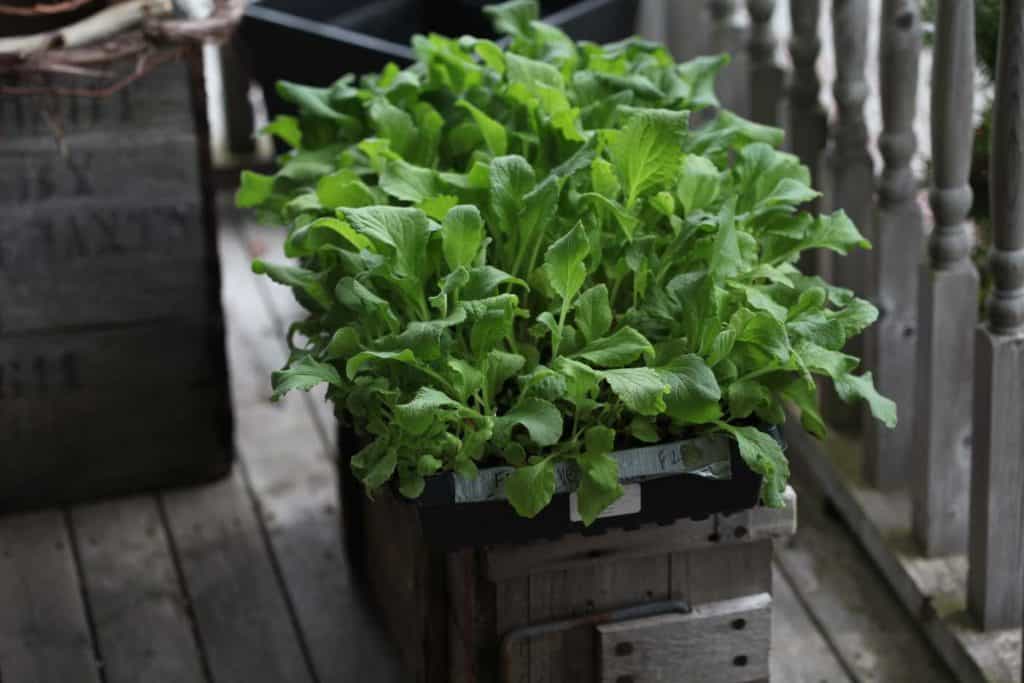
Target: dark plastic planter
448	523
316	41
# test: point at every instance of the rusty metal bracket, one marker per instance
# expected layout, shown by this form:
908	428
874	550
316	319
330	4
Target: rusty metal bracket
650	609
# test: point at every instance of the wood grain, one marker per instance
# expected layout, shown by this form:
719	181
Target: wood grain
140	612
225	563
931	590
44	628
853	174
996	549
117	263
293	479
720	642
807	119
948	299
153	102
995	594
610	584
889	345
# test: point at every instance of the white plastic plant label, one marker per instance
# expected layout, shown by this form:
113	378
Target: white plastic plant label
629	504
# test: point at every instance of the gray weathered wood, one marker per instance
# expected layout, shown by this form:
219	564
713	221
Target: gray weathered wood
685	27
720	642
853	188
800	653
503	562
154	103
890	344
512	610
729	31
225	562
875	638
994	592
138	606
767	78
112	370
140	164
807	120
78	262
720	572
598	586
996	550
276	441
65	397
933	591
948	299
64	449
44	629
239	120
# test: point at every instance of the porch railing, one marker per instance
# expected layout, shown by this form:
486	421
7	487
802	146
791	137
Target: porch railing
955	464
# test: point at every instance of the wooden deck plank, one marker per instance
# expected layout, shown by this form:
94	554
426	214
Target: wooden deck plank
847	597
800	654
267	242
139	610
44	627
293	478
932	590
241	612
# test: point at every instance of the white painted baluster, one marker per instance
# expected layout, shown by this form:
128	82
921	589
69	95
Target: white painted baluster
729	35
947	299
994	579
890	345
767	78
853	169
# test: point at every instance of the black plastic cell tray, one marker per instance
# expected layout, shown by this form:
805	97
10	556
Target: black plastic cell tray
450	526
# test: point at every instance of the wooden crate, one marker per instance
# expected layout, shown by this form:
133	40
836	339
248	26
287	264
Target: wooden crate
451	612
112	367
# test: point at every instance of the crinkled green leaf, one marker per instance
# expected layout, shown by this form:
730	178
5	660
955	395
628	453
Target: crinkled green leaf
643	390
541	419
593	313
424	409
646	151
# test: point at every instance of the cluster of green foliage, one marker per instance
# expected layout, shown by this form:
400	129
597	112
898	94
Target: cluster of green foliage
528	255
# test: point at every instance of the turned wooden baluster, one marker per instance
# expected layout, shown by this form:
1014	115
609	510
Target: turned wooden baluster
853	169
890	345
947	299
994	578
766	76
729	35
808	121
687	29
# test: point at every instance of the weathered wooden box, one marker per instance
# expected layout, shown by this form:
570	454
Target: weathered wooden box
686	601
112	367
